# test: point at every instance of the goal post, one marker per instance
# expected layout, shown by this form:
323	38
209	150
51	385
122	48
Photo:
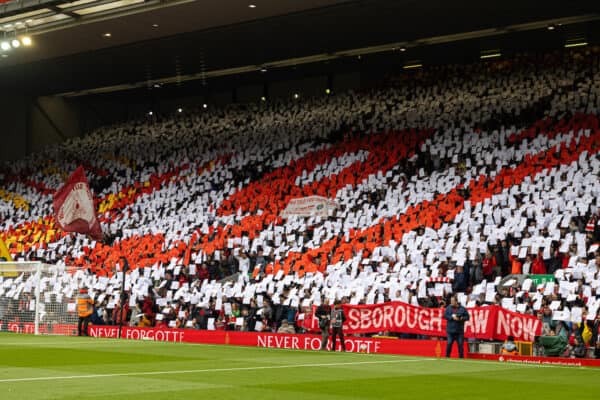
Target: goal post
34	300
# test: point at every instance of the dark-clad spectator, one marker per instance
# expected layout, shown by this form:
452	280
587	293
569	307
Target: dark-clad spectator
455	315
323	314
337	320
578	350
460	280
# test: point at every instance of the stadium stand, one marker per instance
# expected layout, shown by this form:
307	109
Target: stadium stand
445	180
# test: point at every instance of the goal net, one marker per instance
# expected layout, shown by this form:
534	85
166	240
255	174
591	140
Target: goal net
34	300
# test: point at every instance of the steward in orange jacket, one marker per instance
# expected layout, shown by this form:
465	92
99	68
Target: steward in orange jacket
85	308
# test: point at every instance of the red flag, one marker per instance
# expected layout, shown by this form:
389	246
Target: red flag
74	206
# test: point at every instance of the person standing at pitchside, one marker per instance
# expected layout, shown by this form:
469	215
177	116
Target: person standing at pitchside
323	313
455	315
337	325
85	307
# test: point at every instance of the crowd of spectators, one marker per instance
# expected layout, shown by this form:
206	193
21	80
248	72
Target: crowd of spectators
446	181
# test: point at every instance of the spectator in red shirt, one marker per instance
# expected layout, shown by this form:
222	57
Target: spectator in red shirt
148	308
203	272
488	263
118	314
538	266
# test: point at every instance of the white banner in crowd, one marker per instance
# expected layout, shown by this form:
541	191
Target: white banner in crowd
311	206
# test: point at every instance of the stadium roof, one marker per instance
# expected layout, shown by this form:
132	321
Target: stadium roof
172	41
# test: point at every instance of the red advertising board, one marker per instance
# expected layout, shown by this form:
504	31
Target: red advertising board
29	328
428	348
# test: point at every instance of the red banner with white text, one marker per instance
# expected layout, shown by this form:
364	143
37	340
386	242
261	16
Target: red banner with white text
427	348
492	322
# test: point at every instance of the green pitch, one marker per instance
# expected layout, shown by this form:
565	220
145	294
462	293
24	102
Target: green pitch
87	368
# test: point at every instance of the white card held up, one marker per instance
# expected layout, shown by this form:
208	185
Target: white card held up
592	312
555	305
549	289
576	314
508	302
564	315
509	282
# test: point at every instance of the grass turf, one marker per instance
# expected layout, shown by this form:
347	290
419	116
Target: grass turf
87	368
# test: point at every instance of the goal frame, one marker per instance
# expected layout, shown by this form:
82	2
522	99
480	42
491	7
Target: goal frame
35	268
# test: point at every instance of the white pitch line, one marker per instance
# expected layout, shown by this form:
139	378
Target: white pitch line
193	371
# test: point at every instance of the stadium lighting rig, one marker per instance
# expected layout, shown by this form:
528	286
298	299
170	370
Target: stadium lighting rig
12	39
11	43
14	36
